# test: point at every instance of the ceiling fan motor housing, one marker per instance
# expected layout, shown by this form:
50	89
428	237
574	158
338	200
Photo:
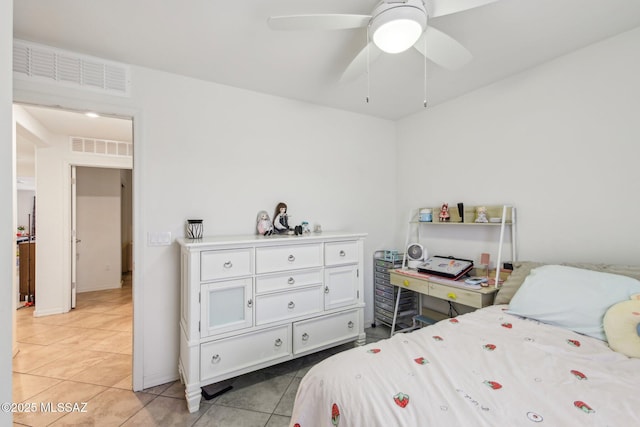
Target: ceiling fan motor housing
396	26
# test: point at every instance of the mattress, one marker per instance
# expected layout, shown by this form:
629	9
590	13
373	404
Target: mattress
485	368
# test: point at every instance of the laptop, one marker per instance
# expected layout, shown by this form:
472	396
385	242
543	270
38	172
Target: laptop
449	267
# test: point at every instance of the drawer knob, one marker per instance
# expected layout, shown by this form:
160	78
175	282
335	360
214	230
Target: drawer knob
350	324
250	303
305	337
291	281
452	295
326	289
278	342
215	358
291	258
343	253
228	264
405	282
291	305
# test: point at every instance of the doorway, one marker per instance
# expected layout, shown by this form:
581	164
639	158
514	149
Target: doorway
58	147
101	238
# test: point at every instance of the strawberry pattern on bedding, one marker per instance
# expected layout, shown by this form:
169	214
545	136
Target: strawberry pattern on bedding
485	368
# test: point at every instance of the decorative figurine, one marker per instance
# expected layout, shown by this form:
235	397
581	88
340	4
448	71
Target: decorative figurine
444	213
264	224
281	221
481	214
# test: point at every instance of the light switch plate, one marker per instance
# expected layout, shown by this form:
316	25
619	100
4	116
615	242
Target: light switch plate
159	238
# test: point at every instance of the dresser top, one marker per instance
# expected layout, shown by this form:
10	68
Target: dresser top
279	239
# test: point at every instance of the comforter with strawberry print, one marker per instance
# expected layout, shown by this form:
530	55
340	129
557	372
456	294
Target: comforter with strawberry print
485	368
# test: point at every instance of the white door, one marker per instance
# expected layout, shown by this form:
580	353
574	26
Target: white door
74	239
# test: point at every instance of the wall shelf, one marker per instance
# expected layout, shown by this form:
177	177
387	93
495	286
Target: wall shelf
501	216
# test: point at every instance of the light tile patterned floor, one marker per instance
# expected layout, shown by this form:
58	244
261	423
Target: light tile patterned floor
85	356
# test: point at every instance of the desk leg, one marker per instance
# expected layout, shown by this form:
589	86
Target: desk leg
395	312
453	312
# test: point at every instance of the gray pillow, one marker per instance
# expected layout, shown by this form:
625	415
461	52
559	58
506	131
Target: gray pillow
521	270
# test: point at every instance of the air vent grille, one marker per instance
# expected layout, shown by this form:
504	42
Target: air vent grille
46	64
101	146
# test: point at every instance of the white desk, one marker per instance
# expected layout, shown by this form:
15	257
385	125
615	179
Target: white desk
444	289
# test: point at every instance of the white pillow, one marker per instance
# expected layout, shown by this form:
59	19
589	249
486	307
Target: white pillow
571	298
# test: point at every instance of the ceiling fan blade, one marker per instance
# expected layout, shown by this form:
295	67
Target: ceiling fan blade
358	65
447	7
443	49
318	22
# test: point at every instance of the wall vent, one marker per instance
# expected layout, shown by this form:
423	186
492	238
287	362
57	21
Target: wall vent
36	62
101	146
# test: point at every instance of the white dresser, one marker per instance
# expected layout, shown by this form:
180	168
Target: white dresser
248	302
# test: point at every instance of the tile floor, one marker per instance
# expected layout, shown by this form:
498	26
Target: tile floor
85	356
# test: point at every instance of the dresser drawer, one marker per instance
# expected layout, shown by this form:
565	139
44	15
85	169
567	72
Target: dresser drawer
287	305
461	296
280	258
292	279
312	334
224	264
221	357
338	253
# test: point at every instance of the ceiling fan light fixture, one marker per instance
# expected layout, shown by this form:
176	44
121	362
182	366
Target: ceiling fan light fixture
396	28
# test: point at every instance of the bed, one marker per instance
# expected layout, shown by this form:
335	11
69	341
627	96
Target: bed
497	366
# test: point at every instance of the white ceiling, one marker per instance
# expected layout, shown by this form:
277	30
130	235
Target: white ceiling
66	123
73	123
229	42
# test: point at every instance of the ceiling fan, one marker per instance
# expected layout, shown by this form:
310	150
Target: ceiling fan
393	26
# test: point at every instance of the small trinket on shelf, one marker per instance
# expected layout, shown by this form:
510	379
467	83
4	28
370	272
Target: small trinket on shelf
481	214
444	213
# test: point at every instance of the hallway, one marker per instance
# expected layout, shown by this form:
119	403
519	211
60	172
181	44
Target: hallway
80	356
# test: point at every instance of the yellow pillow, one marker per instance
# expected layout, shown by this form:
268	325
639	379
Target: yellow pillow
622	326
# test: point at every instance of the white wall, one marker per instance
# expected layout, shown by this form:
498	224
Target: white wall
25	208
98	229
7	233
560	142
222	154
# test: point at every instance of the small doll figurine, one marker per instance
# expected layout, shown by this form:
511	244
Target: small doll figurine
444	213
481	214
281	219
264	224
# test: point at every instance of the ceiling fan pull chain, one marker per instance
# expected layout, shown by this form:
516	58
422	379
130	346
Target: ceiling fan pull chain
368	76
425	72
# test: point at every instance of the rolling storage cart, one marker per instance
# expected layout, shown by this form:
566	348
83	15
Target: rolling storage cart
385	293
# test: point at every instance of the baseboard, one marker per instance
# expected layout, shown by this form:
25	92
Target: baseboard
49	312
154	380
100	288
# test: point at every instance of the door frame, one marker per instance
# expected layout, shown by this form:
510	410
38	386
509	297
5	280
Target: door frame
74	235
73	214
135	115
